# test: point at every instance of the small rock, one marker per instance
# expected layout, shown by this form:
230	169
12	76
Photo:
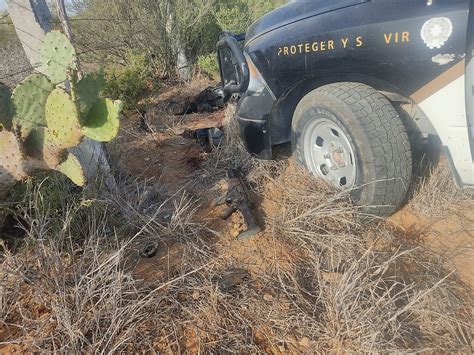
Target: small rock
232	278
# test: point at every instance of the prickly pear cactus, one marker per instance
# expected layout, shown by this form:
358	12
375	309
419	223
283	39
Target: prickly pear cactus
58	56
6	108
41	120
29	99
11	160
102	122
88	90
62	118
73	170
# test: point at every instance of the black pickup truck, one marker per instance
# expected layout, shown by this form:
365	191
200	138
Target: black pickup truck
333	77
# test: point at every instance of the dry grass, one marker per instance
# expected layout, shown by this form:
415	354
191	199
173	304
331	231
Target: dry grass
85	304
328	283
347	288
362	289
233	154
437	194
367	307
71	289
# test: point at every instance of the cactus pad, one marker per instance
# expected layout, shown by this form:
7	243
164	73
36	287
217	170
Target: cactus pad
62	118
6	107
11	161
102	122
73	170
57	56
29	100
88	91
37	149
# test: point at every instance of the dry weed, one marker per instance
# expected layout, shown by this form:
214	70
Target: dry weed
230	154
317	215
361	294
341	287
438	195
84	303
350	287
69	289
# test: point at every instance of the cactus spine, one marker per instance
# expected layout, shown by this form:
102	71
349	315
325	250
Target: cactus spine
41	120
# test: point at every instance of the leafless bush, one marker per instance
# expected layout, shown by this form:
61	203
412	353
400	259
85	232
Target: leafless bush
438	195
74	290
86	303
317	215
361	294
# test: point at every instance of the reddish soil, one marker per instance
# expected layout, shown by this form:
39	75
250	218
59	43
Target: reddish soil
451	237
169	158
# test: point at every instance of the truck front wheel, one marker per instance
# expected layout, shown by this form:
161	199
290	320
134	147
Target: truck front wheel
351	136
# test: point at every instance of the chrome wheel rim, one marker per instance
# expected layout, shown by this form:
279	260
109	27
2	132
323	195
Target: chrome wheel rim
329	154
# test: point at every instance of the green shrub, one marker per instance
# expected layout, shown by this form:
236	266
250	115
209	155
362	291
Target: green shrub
160	27
237	15
208	65
129	82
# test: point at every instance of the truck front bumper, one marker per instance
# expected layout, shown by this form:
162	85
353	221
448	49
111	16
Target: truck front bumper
254	113
240	76
256	137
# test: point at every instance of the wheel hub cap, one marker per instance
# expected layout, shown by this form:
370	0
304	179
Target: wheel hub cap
329	154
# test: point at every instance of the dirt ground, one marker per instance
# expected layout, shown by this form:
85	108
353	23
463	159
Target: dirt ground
167	157
452	237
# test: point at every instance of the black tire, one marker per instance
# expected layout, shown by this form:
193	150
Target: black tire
377	135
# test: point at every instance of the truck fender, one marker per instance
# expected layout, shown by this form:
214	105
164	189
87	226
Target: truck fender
284	108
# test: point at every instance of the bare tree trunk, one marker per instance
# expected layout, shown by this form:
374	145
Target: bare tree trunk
62	15
183	66
61	9
32	20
